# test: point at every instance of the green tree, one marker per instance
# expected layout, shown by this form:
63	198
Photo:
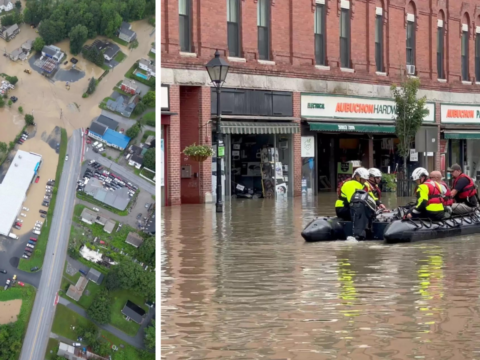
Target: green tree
129	274
145	285
88	333
133	131
150	341
149	99
149	159
151	21
51	31
29	119
140	108
133	44
78	35
100	310
3	147
10	102
11	79
2	102
18	5
112	280
92	86
410	112
38	44
20	110
146	252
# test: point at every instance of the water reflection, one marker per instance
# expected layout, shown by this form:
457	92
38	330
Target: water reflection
244	285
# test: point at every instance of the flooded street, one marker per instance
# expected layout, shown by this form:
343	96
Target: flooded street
245	285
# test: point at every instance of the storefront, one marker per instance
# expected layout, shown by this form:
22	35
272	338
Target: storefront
164	139
348	131
460	125
258	130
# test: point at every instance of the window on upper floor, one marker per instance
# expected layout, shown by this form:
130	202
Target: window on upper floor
345	35
184	11
379	39
465	76
440	50
320	34
263	24
233	27
477	55
410	39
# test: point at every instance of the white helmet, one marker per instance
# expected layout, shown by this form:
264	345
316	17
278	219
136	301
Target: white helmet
362	172
375	172
418	173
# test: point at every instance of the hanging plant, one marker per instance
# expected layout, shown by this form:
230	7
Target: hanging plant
198	153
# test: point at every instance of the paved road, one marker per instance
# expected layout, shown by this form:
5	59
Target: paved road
43	312
120	170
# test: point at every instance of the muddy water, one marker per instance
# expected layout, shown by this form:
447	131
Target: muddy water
244	285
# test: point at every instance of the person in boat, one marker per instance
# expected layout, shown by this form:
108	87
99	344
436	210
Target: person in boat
429	197
372	185
347	189
446	193
464	191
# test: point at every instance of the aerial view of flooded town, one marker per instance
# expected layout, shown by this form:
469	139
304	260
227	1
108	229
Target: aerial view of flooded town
77	179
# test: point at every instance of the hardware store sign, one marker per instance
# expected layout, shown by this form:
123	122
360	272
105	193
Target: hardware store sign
460	114
345	107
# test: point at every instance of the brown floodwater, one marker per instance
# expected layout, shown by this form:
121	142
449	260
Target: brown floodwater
244	285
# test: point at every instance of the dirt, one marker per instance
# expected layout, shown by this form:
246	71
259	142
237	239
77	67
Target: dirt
9	311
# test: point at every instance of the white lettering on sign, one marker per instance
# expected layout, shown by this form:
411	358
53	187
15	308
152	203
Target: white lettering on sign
346	127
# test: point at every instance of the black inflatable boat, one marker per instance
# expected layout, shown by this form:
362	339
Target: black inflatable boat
392	229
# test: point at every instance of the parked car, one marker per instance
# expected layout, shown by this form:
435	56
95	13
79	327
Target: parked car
30	246
37	179
14	99
82	272
66	157
35	268
139	216
3	271
7	284
95	209
21	283
33	239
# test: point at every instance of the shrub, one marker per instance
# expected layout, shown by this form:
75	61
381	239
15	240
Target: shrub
20	110
29	119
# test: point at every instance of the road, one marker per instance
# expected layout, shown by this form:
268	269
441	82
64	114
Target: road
43	312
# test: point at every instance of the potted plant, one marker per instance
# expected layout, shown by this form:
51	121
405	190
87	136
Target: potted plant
198	153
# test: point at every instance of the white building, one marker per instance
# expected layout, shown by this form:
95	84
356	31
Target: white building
5	5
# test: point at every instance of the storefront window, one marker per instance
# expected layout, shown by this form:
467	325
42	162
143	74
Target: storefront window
308	165
473	159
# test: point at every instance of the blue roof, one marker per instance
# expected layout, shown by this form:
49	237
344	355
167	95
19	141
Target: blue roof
115	138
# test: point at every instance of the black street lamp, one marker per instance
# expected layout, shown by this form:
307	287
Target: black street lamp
217	69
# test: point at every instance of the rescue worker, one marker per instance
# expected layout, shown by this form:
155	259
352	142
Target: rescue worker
429	195
446	193
464	191
348	188
374	179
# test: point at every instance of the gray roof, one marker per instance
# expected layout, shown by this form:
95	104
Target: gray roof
134	239
95	276
27	45
125	26
16	53
137	158
75	292
136	149
98	128
112	50
108	122
109	225
125	29
133	311
151	225
88	215
117	199
49	51
11	29
130	83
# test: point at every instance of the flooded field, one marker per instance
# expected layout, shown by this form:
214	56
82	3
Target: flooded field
244	285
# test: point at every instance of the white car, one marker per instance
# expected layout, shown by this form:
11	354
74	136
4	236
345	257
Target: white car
22	214
26	209
20	220
66	158
30	246
91	161
96	209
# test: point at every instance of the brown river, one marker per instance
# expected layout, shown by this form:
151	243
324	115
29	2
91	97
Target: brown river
244	285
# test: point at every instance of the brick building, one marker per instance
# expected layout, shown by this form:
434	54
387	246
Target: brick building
324	66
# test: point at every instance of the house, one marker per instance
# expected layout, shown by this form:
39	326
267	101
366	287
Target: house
101	219
97	130
27	46
88	216
153	48
123	105
76	353
5	5
136	161
134	239
133	312
75	292
108	122
126	33
147	66
129	86
95	276
53	52
151	227
9	32
110	137
109	225
111	51
15	54
149	140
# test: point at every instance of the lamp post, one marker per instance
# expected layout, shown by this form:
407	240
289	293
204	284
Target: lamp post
217	69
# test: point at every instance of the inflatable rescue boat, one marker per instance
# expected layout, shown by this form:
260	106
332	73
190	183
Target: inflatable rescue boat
391	228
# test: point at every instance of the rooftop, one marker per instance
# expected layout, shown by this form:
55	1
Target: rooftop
108	228
75	292
49	50
11	29
133	311
88	215
108	122
137	158
117	199
95	276
98	128
134	239
15	185
115	138
130	83
112	50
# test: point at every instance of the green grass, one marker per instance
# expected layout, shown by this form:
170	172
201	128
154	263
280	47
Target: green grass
87	300
128	351
120	41
149	119
105	67
53	347
146	134
148	174
119	299
129	74
91	200
38	255
120	91
65	319
120	57
152	55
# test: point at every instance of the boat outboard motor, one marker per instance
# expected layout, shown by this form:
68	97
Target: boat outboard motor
362	210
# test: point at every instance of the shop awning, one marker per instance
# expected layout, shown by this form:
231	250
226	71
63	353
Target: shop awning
345	127
470	134
232	127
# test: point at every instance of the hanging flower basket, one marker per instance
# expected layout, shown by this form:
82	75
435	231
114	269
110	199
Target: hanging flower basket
198	153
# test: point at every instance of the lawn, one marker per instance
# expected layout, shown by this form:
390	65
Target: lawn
148	174
129	74
103	104
38	255
119	299
91	200
120	41
120	91
152	55
53	347
65	319
87	300
128	351
146	134
120	57
149	118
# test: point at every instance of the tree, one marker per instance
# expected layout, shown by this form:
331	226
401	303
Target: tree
18	5
140	108
146	251
38	44
29	119
2	102
100	347
129	274
112	280
149	99
78	35
10	102
149	160
15	17
151	21
150	336
145	286
3	147
11	79
133	131
89	333
20	110
410	112
100	310
91	86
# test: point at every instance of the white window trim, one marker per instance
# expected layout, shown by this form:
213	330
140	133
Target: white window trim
321	2
464	27
266	62
410	17
440	23
379	73
188	54
236	59
477	29
378	11
345	4
477	83
322	67
347	70
442	80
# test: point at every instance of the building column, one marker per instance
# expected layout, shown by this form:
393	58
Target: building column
205	138
297	152
370	152
173	151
